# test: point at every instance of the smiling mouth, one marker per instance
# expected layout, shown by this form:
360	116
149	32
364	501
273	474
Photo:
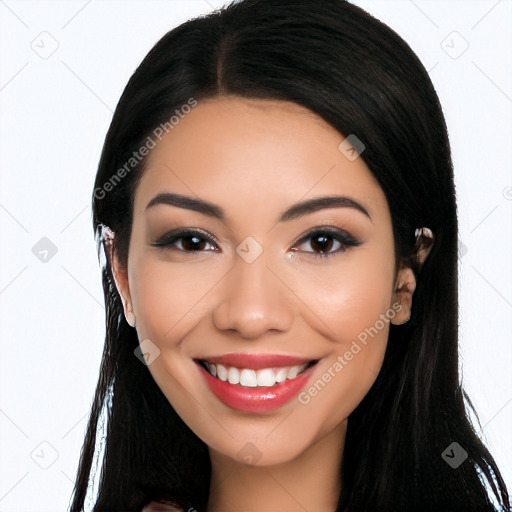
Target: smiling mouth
250	378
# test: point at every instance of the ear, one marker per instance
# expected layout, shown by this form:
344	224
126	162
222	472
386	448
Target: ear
406	281
424	243
404	289
120	274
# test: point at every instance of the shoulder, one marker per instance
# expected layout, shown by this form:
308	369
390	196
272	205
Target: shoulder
157	506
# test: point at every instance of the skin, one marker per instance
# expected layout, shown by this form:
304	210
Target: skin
254	158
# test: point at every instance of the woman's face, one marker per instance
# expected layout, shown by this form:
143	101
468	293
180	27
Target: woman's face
251	290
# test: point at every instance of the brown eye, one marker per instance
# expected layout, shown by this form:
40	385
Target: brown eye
322	243
323	240
185	240
192	243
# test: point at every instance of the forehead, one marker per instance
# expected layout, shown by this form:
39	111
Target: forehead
258	154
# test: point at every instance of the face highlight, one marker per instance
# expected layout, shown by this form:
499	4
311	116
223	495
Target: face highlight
231	254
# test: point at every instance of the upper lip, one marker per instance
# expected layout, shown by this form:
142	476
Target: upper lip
256	361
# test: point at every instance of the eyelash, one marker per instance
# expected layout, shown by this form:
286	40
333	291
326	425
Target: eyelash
343	238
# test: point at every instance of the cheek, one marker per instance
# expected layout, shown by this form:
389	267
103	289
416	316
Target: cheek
167	297
350	297
352	309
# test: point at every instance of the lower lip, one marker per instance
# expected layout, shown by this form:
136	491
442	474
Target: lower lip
256	399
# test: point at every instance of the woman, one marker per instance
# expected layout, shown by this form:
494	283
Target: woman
276	203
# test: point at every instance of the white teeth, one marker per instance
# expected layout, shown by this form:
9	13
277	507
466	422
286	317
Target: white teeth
233	375
212	369
281	375
248	378
292	372
222	372
265	377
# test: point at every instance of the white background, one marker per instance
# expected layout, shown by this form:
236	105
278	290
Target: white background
54	114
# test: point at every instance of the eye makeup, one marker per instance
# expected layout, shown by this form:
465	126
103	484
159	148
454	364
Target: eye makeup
193	240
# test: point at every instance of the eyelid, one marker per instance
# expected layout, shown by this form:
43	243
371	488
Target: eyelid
341	233
178	233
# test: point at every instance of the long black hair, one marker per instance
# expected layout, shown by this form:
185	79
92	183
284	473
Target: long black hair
361	77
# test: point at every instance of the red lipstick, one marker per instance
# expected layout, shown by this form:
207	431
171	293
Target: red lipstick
256	399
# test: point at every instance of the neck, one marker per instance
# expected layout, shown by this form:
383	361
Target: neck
311	481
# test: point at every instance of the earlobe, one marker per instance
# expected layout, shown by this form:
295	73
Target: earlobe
404	290
130	317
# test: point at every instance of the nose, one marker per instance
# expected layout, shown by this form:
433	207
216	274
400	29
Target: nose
254	300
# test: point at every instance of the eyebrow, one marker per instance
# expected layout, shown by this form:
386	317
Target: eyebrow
293	212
